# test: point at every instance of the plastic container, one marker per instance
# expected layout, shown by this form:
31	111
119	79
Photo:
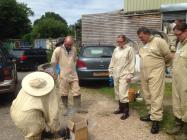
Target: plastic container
110	81
58	69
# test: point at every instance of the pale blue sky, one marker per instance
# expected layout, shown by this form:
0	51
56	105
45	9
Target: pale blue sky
71	10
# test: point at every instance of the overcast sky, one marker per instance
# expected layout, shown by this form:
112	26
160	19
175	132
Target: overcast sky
71	10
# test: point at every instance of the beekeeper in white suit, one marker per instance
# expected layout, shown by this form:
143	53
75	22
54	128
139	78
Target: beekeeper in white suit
37	107
121	68
179	82
153	58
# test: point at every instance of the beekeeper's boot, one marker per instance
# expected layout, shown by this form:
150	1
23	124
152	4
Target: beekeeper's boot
125	110
65	103
177	127
77	104
182	136
155	127
119	110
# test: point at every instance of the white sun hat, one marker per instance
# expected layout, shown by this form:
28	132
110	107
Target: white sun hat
38	84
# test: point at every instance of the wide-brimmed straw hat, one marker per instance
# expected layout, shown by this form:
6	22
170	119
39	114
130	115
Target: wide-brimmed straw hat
38	84
60	41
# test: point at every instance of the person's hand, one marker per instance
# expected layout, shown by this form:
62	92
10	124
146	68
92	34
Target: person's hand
55	76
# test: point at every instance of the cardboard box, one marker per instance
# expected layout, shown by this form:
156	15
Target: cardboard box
78	128
131	94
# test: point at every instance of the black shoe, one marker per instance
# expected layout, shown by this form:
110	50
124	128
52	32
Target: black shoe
125	111
155	127
119	110
145	118
124	116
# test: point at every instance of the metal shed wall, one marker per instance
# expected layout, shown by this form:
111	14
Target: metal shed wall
143	5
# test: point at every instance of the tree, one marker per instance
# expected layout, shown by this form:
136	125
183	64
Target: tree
14	21
50	25
51	15
49	28
76	30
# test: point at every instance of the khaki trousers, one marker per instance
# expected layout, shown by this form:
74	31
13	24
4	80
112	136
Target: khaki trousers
121	89
179	91
152	84
65	86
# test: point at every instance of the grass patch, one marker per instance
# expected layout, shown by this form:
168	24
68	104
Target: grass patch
140	107
108	91
168	88
168	119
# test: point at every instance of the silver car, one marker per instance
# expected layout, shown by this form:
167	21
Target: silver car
93	62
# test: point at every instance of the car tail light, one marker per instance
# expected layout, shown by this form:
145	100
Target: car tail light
6	74
81	64
23	57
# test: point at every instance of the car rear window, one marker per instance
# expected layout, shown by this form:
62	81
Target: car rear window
98	51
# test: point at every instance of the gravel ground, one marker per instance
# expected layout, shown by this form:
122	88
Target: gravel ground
103	125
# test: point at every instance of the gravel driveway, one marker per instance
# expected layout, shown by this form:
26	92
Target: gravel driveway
103	125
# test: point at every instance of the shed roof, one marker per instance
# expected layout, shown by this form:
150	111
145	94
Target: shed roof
173	7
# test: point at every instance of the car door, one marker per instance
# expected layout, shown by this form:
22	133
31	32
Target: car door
1	67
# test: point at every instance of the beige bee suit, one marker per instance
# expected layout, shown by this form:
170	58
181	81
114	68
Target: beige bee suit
68	75
153	58
31	114
121	68
179	82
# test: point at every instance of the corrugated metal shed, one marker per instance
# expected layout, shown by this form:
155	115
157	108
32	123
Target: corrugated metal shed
143	5
173	7
105	27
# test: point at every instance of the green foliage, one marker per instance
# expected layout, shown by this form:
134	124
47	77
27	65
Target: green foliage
28	37
47	28
75	30
50	25
14	21
51	15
